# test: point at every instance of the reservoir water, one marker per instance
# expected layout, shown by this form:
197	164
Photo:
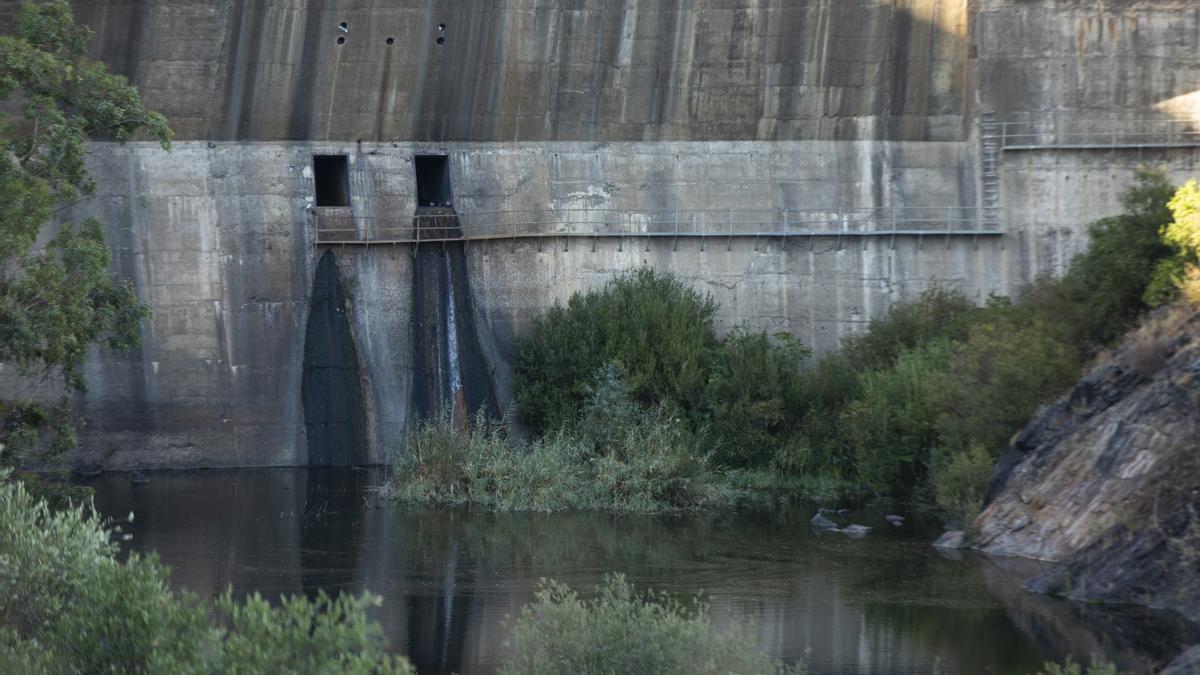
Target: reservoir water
886	603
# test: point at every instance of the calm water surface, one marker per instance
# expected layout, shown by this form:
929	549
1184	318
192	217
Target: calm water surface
888	603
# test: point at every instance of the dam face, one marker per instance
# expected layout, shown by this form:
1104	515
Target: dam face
809	163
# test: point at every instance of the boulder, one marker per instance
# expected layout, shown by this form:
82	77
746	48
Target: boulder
856	530
1187	663
1105	481
952	539
823	524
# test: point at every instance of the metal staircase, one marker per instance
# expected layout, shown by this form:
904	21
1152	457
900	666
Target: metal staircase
991	147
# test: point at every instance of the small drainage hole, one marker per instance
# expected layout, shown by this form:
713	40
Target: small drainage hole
341	40
441	41
441	27
391	41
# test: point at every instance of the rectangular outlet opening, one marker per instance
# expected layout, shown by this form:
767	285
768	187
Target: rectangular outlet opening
433	180
331	175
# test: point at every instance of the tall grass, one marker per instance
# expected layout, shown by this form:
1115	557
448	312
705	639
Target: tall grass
651	466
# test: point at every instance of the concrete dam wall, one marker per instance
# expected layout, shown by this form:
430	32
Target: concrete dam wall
808	162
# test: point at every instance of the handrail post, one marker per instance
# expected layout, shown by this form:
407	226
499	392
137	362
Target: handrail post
675	246
949	224
785	227
729	241
892	209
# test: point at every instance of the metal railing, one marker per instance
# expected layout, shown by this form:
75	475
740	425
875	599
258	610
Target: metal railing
343	227
1066	133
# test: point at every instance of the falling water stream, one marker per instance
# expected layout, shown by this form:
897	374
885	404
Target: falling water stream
455	376
448	364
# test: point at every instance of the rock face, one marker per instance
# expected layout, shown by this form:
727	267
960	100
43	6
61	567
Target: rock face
1106	481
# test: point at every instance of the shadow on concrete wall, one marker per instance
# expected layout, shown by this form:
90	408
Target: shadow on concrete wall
331	390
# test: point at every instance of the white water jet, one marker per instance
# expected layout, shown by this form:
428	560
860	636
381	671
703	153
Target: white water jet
451	335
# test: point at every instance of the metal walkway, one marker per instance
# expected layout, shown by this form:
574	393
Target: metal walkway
341	226
1056	133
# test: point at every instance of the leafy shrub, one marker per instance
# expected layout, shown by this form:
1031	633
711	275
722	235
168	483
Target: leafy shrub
892	424
625	632
960	482
609	411
1122	256
60	298
655	327
938	313
821	445
1182	236
322	635
68	605
996	379
753	383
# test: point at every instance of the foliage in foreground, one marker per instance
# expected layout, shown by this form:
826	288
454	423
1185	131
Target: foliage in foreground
58	300
68	605
622	631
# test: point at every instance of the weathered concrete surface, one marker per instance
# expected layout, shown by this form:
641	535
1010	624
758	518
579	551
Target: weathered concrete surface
1083	60
1106	480
1049	197
331	391
541	69
639	70
550	104
218	241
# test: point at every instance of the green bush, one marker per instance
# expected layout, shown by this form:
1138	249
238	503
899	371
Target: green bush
821	446
938	313
1121	258
68	605
656	328
960	480
1182	236
753	383
624	632
892	425
996	379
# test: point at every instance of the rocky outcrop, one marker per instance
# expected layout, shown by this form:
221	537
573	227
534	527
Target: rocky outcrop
1106	480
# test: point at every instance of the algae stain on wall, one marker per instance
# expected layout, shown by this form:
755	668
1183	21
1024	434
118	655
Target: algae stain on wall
331	389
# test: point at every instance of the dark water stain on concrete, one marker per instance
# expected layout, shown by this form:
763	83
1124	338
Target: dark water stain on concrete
331	389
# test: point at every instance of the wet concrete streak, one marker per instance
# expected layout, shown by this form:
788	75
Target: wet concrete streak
440	277
331	389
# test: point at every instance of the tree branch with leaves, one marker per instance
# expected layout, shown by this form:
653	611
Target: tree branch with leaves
59	298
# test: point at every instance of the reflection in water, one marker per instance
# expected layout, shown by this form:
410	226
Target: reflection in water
885	604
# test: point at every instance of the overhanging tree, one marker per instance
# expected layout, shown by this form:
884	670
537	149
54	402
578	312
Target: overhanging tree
58	296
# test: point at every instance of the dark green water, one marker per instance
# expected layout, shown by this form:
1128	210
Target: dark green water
888	603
